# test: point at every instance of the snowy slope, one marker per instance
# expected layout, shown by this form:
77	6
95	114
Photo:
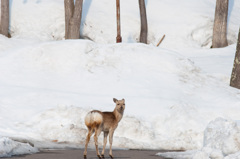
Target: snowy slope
165	92
172	92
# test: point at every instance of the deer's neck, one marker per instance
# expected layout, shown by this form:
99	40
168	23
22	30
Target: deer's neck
118	114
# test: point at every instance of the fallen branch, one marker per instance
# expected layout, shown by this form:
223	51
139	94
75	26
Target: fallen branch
161	40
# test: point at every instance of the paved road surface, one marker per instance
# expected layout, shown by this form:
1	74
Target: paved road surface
78	154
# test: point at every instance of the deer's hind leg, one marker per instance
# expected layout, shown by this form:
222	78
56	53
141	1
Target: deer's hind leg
90	132
97	133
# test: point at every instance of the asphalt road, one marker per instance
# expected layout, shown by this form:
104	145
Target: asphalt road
78	154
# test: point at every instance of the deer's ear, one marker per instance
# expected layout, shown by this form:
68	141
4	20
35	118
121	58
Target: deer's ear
115	100
123	100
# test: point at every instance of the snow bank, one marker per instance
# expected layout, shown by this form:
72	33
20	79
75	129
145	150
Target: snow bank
60	125
221	141
64	126
10	148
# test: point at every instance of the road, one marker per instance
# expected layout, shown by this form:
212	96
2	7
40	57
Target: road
78	154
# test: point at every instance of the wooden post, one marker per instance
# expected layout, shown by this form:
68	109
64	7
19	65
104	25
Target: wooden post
119	38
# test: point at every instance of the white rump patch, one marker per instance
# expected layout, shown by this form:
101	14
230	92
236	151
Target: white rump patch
96	117
92	117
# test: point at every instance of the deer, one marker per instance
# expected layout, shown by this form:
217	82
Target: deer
106	122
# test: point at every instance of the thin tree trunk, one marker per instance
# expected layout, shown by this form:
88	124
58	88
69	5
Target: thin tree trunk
4	17
235	78
118	38
144	25
69	6
75	21
220	24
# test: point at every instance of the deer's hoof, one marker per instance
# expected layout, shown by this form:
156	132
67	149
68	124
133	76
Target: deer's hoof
85	156
111	156
102	156
99	157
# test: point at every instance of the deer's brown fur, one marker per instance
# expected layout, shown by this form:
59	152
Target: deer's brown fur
106	122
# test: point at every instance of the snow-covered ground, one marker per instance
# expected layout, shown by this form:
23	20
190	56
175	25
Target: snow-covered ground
177	95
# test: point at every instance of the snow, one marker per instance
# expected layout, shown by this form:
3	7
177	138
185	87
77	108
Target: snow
221	141
10	147
172	92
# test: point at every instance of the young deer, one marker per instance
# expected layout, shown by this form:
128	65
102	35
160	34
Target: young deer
97	121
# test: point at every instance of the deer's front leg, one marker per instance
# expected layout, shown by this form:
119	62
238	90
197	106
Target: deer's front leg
104	143
111	141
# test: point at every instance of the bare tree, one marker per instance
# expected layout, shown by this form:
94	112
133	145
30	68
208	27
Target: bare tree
73	15
220	24
144	25
235	78
4	17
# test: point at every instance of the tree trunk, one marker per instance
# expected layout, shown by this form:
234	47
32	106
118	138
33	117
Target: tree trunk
220	24
118	38
75	21
69	6
235	78
73	15
144	25
4	17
